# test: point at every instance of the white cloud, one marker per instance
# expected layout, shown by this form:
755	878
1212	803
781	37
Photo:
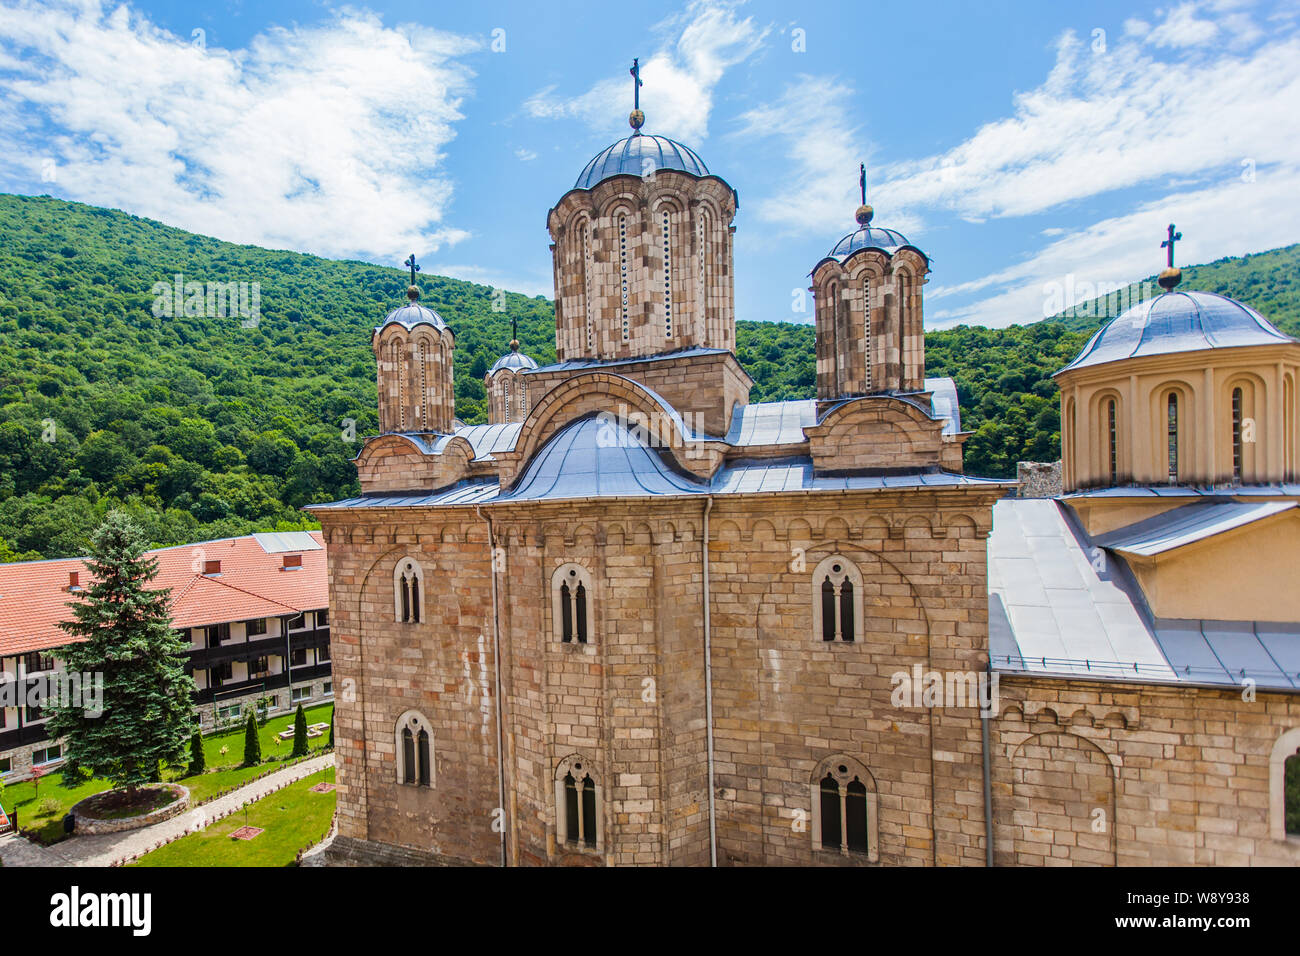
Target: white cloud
700	45
1182	27
525	155
327	139
1226	219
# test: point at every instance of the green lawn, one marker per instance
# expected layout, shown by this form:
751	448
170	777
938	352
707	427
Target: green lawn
291	819
223	772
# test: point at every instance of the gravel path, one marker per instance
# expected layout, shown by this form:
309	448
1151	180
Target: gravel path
112	847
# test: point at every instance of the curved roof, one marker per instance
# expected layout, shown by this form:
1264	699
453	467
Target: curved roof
628	157
1178	322
514	359
868	237
411	315
599	456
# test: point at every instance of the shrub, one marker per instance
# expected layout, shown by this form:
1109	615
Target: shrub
299	734
252	745
197	761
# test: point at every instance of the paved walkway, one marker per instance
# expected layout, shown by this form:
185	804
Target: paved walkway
111	847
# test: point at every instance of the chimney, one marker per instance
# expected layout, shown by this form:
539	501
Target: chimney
212	567
292	562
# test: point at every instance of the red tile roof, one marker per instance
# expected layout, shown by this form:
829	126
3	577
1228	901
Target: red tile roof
252	584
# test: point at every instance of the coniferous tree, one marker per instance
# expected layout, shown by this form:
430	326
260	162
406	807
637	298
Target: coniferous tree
198	762
147	711
299	733
252	744
331	728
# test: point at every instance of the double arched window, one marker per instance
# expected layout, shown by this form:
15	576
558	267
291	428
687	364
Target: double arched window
414	749
408	592
578	823
571	604
844	808
837	600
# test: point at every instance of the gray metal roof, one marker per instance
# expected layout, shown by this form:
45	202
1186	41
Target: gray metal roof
868	237
1178	322
1186	491
411	315
281	542
1061	606
1187	524
489	439
772	423
514	359
944	403
598	456
638	154
571	364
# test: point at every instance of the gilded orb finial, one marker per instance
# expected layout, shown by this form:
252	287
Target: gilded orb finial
636	119
412	293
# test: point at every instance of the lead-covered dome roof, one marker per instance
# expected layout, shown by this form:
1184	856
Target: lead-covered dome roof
515	360
868	237
628	157
1178	322
412	314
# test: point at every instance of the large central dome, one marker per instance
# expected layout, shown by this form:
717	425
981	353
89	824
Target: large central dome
636	155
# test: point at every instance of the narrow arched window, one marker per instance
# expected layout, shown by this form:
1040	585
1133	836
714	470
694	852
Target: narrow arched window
571	600
408	755
523	399
1237	420
578	805
422	756
414	754
830	807
587	231
422	406
505	391
855	816
837	604
1172	435
1291	798
1112	441
866	330
623	273
408	590
666	228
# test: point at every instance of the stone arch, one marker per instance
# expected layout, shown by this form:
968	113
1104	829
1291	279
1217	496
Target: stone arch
414	754
1062	800
575	777
1287	746
832	786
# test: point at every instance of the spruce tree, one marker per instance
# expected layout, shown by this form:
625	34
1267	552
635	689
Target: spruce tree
198	763
252	744
299	734
126	636
332	729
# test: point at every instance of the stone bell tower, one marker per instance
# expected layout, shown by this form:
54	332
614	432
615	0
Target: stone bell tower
413	351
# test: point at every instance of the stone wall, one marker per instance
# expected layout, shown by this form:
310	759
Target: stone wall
1038	479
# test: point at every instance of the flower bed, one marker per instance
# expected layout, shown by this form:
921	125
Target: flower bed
113	811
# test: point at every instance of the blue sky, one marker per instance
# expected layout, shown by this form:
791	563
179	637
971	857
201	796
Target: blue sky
1028	148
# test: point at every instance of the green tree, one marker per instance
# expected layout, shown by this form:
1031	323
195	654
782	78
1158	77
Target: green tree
299	733
252	743
331	728
147	710
197	760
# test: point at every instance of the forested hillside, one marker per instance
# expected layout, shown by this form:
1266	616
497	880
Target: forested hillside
205	427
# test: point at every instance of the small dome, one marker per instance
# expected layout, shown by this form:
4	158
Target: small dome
629	156
413	314
1178	322
598	456
514	359
868	237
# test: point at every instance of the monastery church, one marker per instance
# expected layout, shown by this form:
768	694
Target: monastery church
639	620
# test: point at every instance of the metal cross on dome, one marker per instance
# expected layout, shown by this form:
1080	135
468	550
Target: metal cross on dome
862	181
410	263
1169	243
636	83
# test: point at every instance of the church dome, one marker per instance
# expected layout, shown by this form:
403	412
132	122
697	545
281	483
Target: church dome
635	154
514	359
868	237
1178	322
412	314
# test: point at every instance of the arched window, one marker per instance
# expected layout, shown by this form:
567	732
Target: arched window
523	399
666	231
1112	441
408	592
866	329
587	229
414	750
505	392
1238	419
578	805
837	600
845	817
422	406
1171	430
623	272
701	276
1284	787
571	597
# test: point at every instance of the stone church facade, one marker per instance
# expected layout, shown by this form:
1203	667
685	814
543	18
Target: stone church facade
638	620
